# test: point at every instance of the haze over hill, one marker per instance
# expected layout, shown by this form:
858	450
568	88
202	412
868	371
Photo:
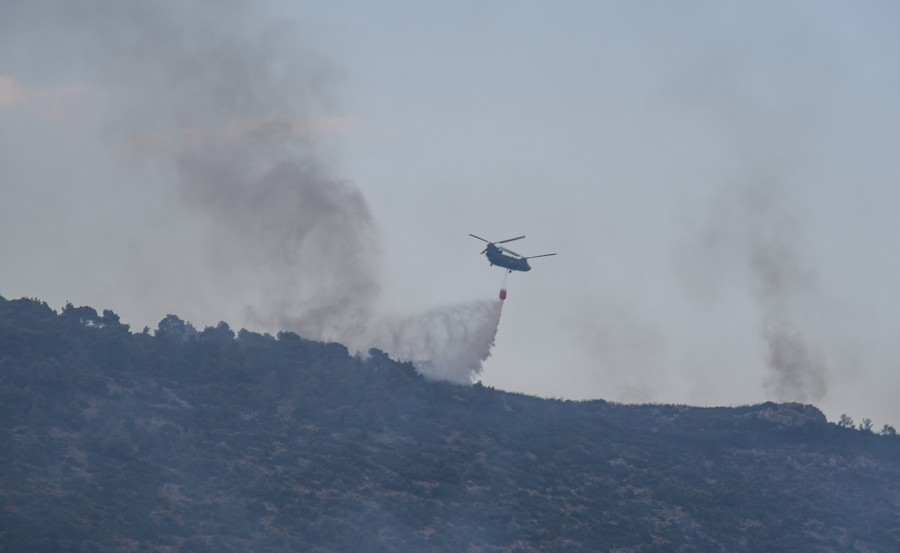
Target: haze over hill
209	440
718	180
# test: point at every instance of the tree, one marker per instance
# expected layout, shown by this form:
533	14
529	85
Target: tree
846	421
84	315
111	320
221	334
888	430
866	425
175	328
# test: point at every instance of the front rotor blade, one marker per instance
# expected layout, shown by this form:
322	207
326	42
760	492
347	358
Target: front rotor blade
510	240
480	238
512	252
542	255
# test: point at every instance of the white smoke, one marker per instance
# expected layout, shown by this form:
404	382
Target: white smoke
448	343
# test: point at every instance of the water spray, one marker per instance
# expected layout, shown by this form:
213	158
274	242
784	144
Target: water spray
447	343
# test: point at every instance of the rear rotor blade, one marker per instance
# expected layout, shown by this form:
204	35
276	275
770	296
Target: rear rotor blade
542	255
510	240
480	238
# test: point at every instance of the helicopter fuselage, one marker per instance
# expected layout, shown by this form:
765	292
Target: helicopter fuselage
496	256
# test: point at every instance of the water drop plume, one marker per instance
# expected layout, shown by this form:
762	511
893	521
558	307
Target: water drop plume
447	343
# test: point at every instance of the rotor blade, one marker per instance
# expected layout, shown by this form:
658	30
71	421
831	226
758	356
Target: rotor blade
510	240
542	255
480	238
512	252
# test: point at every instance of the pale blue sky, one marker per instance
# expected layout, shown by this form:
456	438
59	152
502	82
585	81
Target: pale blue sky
672	153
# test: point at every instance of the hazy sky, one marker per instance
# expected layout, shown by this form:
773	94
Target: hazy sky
718	178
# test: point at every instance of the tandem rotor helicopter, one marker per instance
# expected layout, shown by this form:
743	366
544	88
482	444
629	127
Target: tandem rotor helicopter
511	262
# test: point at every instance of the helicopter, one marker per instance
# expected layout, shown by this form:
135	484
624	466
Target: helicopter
512	262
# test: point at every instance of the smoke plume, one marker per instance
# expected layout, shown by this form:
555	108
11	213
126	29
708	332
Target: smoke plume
783	284
754	234
225	123
754	237
240	118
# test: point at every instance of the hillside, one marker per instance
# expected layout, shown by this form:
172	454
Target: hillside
179	440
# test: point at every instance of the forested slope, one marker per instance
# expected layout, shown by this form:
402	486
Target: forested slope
178	440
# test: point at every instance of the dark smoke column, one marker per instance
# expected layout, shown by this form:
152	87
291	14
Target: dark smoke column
233	117
783	285
753	237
